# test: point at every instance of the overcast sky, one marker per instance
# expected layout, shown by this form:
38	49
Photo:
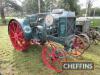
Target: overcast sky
96	3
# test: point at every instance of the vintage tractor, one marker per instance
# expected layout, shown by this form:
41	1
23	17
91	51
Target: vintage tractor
84	29
48	30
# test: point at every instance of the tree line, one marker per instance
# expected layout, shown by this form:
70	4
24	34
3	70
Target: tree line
31	7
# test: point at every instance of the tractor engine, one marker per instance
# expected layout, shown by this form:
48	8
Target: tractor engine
54	26
60	23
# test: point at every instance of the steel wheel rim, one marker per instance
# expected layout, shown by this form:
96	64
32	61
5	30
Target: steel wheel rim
17	36
47	60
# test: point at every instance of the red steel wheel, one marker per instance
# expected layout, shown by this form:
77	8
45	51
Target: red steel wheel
78	46
17	38
51	59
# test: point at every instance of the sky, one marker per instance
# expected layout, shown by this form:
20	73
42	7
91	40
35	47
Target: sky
96	3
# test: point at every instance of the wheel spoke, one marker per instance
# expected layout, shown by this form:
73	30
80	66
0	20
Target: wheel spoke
78	46
18	30
11	31
13	37
13	26
20	39
15	42
20	33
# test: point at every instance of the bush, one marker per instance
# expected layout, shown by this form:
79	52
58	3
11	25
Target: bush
95	22
7	20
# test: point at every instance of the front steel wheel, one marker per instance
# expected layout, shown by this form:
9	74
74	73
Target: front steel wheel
52	57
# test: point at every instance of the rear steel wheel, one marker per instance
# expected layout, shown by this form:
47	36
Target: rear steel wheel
16	34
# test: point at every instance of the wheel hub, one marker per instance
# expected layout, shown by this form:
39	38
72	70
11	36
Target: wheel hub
16	36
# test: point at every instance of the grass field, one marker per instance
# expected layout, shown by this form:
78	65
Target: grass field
13	62
7	20
95	23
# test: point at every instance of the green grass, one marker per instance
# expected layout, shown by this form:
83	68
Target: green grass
13	62
95	22
7	20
